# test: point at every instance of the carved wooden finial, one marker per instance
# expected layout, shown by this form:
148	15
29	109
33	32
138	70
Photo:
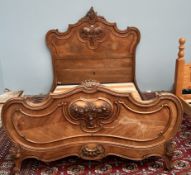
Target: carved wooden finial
90	84
91	16
91	13
181	47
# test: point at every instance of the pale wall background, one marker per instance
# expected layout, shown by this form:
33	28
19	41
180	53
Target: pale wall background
1	78
25	61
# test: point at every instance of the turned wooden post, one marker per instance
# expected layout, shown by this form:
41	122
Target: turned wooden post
179	74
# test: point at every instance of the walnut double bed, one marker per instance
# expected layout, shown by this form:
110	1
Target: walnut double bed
94	108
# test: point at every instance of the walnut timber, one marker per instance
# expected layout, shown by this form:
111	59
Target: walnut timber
93	119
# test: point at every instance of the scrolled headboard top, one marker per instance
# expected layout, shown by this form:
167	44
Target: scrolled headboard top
93	48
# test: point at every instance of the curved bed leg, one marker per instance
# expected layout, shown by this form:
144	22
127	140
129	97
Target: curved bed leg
168	164
16	153
17	168
169	148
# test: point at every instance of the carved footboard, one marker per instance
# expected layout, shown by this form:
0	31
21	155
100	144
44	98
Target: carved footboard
92	122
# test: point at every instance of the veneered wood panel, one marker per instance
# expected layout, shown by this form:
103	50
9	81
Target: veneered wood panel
93	43
79	75
123	63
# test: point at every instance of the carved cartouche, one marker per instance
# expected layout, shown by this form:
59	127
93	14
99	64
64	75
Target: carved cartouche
90	113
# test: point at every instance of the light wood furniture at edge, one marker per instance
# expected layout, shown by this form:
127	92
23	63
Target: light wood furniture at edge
183	78
7	94
93	119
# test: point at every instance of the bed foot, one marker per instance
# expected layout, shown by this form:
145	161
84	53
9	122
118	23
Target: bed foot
17	168
16	153
168	163
169	154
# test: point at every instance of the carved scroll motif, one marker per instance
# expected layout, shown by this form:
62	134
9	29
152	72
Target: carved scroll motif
92	35
92	151
90	114
91	16
90	84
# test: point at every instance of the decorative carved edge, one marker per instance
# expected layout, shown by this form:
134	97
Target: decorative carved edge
92	151
90	84
90	17
96	151
99	88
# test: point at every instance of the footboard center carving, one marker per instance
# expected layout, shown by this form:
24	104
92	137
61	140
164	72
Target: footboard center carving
90	113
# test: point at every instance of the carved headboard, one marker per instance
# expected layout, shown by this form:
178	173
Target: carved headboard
95	49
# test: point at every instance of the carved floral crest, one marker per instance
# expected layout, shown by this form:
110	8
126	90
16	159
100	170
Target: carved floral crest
91	16
90	84
92	34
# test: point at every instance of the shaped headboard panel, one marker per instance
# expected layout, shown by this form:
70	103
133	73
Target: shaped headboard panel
93	49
